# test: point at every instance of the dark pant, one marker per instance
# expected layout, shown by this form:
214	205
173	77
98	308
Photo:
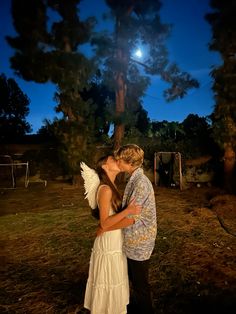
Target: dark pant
140	300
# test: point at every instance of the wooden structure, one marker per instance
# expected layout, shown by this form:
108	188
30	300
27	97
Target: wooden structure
175	159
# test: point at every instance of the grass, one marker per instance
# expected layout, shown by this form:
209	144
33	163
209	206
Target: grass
47	236
46	254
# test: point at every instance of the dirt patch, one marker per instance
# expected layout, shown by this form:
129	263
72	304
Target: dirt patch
47	235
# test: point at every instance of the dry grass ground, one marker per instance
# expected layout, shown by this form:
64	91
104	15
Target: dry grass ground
47	234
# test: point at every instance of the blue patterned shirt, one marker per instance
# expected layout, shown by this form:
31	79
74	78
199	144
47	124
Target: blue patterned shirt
139	238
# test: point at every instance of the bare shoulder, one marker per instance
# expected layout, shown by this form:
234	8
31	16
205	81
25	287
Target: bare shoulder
104	190
104	194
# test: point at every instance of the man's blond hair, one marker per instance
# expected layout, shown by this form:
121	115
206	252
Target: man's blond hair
131	154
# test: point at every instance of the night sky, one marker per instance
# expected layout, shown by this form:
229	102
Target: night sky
188	47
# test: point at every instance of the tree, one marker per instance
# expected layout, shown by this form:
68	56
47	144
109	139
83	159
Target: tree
14	107
138	22
196	127
101	98
197	138
49	36
222	21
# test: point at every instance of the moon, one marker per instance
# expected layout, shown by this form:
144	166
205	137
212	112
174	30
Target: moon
138	53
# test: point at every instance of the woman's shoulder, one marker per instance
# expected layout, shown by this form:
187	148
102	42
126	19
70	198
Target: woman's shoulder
104	188
104	192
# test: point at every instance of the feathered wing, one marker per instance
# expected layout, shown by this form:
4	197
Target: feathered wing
91	183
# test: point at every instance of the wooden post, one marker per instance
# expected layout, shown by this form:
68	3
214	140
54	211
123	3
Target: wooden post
155	167
180	173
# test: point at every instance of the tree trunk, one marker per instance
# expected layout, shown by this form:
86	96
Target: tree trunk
120	78
229	166
120	109
118	135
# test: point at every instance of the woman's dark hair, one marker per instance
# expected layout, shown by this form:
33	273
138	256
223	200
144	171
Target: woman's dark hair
116	201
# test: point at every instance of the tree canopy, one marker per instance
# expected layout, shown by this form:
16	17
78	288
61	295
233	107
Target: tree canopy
48	48
137	23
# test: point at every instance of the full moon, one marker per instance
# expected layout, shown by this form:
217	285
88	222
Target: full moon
138	53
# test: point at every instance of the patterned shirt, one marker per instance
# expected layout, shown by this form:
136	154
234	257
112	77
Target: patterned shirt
139	238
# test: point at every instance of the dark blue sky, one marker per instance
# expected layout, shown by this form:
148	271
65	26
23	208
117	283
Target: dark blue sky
188	46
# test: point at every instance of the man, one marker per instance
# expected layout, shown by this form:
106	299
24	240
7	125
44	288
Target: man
139	231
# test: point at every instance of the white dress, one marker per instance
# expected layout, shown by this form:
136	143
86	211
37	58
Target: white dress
107	289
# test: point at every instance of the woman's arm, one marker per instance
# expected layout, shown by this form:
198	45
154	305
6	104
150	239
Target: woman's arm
104	204
125	222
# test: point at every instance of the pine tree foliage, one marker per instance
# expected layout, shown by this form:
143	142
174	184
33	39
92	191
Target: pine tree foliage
14	107
224	41
102	100
48	49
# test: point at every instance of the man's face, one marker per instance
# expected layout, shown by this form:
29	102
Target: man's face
124	166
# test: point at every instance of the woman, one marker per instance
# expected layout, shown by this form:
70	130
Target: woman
107	289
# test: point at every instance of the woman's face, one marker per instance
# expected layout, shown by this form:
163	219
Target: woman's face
111	164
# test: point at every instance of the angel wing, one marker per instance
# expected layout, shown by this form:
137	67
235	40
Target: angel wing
91	183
